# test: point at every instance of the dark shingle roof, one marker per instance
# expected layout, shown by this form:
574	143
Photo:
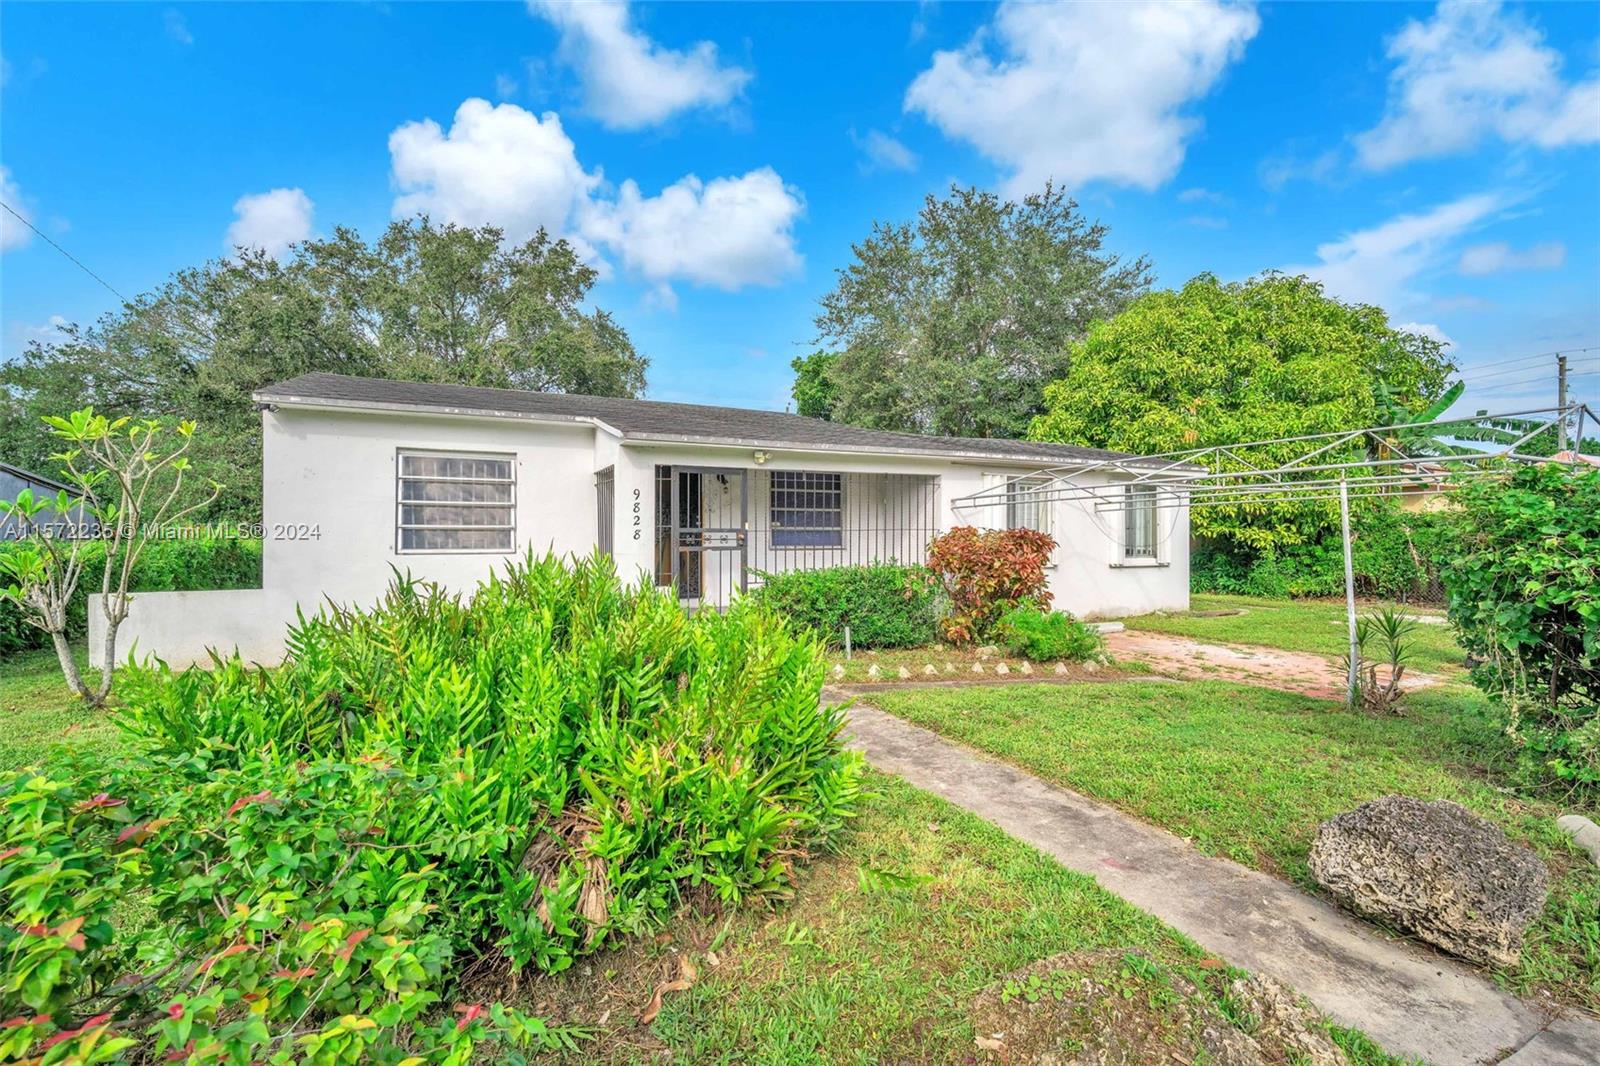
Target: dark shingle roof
656	420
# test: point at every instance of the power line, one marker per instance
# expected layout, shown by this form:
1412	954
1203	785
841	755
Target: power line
75	260
1520	374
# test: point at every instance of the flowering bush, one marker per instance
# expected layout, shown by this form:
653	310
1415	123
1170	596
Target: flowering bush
507	781
984	574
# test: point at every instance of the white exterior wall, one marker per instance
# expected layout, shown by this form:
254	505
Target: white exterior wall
330	507
335	472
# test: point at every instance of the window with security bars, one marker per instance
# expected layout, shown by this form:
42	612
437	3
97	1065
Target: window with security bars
807	509
1139	517
1025	510
456	502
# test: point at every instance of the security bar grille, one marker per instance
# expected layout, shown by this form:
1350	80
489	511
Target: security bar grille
455	502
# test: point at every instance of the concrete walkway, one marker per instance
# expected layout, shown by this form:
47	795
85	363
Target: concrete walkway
1413	1001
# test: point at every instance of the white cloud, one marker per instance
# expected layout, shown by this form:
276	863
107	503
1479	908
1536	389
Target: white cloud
1428	329
1378	265
52	331
501	165
630	81
1471	72
271	221
505	86
176	26
1498	256
882	151
1084	92
1201	196
727	232
13	234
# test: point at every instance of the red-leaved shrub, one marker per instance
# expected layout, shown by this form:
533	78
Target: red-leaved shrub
987	573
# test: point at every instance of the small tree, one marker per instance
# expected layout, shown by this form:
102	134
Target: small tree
130	481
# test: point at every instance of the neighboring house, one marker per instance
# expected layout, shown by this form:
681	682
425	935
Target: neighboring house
13	479
448	482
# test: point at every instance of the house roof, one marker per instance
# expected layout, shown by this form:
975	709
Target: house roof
37	479
654	420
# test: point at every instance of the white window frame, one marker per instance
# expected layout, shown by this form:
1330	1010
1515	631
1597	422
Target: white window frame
772	510
1043	510
400	478
1128	554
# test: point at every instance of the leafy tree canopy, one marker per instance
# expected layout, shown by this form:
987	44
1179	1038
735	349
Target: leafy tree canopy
424	302
1218	363
953	323
814	392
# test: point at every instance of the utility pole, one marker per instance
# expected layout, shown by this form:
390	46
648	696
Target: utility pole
1561	402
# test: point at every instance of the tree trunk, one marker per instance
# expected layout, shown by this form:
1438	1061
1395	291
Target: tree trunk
69	666
109	659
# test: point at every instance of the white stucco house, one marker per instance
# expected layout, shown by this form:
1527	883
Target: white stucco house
448	482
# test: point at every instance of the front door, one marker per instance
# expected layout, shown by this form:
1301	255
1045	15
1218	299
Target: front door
710	512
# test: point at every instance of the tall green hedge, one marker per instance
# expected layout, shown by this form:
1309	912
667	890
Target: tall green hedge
885	606
1395	554
186	565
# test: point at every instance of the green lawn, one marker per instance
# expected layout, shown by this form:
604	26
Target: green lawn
847	973
39	715
1297	625
1249	772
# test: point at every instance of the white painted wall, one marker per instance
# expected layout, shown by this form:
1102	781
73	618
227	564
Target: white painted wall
334	472
330	491
181	627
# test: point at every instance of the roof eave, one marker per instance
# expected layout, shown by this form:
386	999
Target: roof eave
440	410
847	449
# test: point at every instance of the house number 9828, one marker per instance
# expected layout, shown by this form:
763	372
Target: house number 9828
638	520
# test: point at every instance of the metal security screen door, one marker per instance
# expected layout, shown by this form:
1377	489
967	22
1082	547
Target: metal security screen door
710	508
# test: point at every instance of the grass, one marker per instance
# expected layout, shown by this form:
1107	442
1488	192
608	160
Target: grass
854	972
1249	773
41	716
1296	625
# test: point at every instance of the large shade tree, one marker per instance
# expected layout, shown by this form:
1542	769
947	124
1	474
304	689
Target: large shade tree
423	302
1219	363
954	322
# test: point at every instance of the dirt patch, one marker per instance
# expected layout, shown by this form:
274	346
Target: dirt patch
1290	671
1114	1007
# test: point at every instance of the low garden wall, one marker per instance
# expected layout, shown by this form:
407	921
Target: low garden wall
180	627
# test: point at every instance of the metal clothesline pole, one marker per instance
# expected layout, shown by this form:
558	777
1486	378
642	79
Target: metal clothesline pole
1353	680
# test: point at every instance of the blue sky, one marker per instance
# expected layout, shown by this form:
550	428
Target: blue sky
717	161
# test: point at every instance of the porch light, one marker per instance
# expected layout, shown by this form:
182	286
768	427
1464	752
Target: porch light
761	457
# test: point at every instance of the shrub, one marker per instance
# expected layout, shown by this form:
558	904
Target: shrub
503	782
885	606
180	565
1524	585
984	574
1045	636
1394	554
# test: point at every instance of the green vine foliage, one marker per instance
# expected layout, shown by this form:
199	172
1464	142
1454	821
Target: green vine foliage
1524	585
504	782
